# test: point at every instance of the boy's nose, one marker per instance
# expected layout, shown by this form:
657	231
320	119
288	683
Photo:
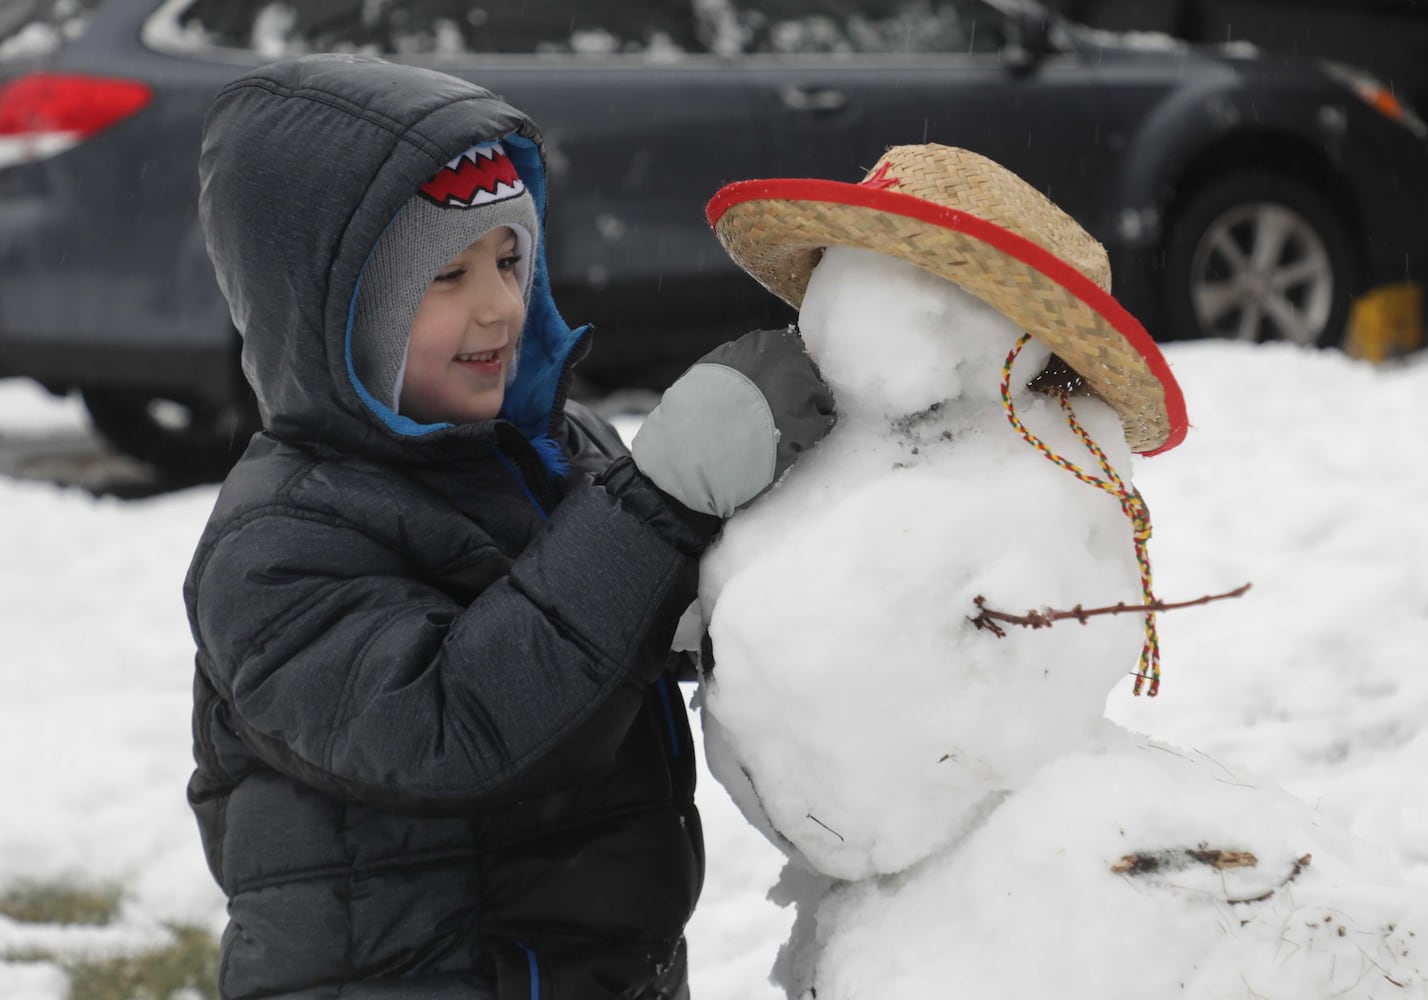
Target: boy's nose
493	300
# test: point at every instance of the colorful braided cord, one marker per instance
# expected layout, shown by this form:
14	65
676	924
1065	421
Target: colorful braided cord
1130	500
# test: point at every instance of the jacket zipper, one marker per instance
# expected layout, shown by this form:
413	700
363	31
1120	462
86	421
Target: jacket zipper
535	487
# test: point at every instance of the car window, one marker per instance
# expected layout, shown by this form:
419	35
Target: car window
789	27
653	29
412	27
31	28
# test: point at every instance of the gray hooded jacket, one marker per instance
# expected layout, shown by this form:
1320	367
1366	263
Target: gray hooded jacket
438	752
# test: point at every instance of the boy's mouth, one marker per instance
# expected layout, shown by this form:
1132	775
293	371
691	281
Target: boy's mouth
486	364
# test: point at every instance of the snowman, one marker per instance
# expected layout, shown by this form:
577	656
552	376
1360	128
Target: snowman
909	756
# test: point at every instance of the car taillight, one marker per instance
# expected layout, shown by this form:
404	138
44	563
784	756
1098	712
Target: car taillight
42	114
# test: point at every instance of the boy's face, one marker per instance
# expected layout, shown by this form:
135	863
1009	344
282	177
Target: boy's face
464	335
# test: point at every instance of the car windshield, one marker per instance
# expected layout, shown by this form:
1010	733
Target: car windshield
652	29
30	28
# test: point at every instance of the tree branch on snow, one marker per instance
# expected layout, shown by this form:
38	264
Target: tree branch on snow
987	618
1177	858
1299	866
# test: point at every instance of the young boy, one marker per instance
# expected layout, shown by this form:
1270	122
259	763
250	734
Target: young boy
438	750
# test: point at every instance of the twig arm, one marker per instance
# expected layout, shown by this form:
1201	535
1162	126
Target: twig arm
987	618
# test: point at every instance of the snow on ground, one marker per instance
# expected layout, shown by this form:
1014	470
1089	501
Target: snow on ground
1304	474
1301	474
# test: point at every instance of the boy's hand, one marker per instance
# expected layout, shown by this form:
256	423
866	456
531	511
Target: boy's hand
731	426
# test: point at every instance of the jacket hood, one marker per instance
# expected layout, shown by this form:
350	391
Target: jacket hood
304	164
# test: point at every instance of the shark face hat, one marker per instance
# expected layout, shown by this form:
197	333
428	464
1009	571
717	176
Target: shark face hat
475	193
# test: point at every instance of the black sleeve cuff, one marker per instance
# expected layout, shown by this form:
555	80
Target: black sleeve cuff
690	530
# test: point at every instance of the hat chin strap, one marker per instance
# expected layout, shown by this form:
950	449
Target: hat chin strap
1132	505
515	362
401	377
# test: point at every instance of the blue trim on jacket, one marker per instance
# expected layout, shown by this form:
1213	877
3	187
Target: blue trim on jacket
534	967
673	730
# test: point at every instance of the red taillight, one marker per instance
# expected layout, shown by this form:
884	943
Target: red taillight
73	106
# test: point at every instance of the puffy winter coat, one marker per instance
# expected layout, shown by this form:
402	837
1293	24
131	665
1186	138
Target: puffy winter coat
438	752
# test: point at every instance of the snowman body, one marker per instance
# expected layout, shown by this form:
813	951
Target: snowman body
1124	870
854	712
960	817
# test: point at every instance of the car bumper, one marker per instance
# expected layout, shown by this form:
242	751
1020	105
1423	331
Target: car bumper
1386	322
1390	165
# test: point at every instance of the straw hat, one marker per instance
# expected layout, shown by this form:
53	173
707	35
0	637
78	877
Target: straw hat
959	215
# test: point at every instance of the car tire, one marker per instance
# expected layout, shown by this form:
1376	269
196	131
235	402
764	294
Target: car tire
1258	256
191	440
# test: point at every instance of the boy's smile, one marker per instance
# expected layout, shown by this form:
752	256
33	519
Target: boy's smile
482	362
486	364
464	334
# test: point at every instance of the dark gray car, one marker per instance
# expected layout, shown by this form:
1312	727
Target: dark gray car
1237	196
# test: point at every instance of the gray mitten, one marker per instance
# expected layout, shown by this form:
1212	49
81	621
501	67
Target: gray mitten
730	426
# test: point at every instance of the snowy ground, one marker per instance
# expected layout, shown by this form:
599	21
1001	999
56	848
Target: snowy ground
1302	474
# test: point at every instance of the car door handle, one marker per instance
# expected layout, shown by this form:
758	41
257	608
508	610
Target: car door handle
817	100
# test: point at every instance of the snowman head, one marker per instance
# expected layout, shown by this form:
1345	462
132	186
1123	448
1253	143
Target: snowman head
970	222
894	338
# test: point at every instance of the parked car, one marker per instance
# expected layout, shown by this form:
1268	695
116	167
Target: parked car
1238	196
1386	37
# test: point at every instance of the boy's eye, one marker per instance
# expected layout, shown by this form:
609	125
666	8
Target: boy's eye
450	275
509	263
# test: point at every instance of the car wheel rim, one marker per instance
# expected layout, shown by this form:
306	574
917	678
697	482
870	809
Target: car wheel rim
1262	272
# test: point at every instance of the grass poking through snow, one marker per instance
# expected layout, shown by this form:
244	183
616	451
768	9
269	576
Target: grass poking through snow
45	903
187	963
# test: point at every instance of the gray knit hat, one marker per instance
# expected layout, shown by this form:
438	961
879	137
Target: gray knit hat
473	194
